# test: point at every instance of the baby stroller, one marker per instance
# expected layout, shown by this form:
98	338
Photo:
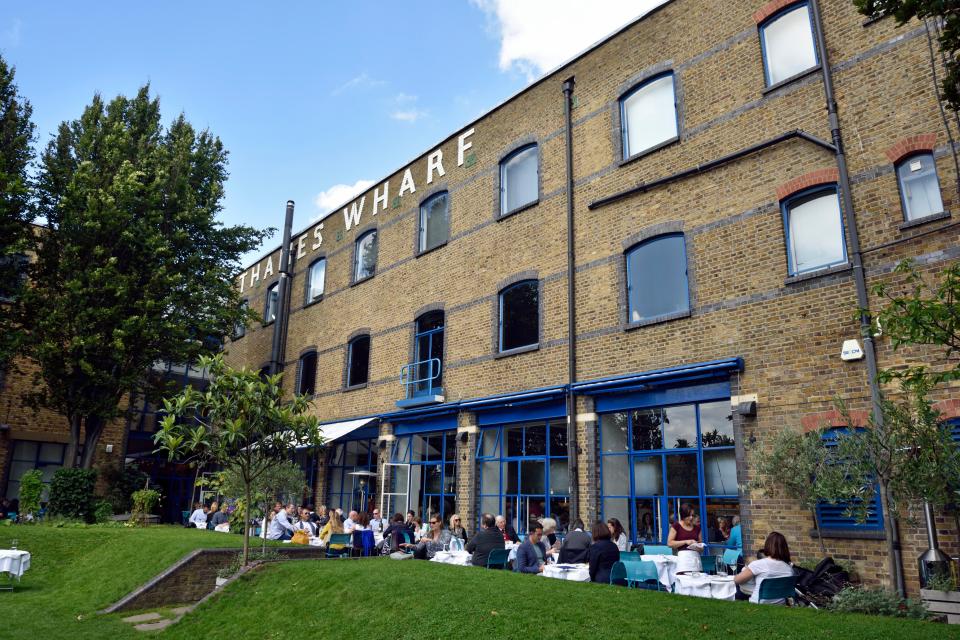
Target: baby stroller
818	587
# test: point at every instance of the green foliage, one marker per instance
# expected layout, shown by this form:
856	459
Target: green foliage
121	483
31	488
878	602
284	482
941	581
243	423
945	21
103	511
133	267
257	556
144	502
71	493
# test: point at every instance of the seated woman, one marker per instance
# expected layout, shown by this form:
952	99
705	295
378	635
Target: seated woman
645	529
550	533
431	542
334	525
456	529
774	564
602	554
393	535
684	532
617	535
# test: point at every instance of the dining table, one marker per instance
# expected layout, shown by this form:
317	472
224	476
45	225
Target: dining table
703	585
573	572
666	568
14	562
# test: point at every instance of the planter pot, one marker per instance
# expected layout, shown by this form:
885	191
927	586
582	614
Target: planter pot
221	582
943	602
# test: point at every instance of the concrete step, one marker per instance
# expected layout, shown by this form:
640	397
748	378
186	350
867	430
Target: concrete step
143	617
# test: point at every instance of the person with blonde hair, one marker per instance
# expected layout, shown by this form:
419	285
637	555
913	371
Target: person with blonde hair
334	525
214	510
549	532
456	528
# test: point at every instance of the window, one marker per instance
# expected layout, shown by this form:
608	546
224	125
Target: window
834	515
434	221
428	341
815	237
519	315
429	484
316	275
919	186
307	374
365	258
351	473
358	361
519	179
29	455
657	278
648	115
787	43
240	328
273	301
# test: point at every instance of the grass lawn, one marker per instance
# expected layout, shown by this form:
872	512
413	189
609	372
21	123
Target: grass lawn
76	572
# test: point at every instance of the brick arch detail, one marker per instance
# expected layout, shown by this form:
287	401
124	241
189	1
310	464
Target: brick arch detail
833	418
911	144
807	180
948	408
771	8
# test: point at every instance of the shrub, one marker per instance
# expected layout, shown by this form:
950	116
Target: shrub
121	483
31	488
144	502
255	556
941	581
71	493
878	602
102	511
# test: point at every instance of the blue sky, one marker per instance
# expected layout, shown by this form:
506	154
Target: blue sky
311	99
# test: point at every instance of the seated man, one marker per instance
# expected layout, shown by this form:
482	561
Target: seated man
351	522
198	518
509	533
574	547
485	541
280	527
220	517
532	554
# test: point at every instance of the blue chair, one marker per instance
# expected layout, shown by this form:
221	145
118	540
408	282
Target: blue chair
629	556
709	564
498	559
731	557
338	539
363	543
643	574
657	550
778	588
407	539
618	573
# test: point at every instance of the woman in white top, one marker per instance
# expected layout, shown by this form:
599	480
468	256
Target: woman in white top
198	518
617	535
774	564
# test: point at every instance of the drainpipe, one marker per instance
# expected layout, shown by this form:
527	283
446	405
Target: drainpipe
279	346
572	448
859	277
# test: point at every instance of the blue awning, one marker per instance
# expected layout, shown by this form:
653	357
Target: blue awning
715	369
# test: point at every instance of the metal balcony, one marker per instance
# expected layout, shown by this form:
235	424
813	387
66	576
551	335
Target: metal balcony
421	383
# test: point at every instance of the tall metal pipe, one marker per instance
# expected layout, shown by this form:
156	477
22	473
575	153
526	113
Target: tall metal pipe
279	345
859	276
572	448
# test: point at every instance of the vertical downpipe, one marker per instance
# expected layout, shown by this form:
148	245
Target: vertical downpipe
859	277
279	345
572	447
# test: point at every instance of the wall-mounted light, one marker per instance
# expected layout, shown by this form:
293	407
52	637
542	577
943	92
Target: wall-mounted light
462	436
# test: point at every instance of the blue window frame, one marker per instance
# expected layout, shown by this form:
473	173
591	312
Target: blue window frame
523	473
428	354
657	280
273	301
787	44
519	179
654	459
519	322
649	117
432	477
919	186
833	516
316	280
358	361
814	230
346	488
365	256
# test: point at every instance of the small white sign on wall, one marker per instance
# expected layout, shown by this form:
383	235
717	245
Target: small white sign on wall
851	350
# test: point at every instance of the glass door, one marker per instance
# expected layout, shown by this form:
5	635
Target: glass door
429	354
395	494
648	491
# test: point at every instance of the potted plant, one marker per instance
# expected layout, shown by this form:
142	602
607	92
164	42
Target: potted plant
941	597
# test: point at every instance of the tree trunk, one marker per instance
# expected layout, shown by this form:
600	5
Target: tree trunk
196	476
94	429
893	542
70	457
816	525
246	525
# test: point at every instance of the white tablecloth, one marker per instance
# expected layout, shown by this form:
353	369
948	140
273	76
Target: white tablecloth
14	561
575	572
706	586
666	568
452	557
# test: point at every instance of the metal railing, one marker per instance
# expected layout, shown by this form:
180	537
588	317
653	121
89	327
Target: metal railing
418	378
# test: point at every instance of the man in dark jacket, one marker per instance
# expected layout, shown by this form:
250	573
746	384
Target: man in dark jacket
485	541
574	547
508	532
532	554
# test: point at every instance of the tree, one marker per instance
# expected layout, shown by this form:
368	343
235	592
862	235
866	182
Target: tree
243	421
281	482
16	136
133	267
945	15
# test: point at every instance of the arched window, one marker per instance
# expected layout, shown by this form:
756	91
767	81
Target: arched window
434	221
429	352
316	277
273	301
519	179
919	186
657	283
358	361
365	256
648	115
307	374
786	40
240	328
520	315
814	229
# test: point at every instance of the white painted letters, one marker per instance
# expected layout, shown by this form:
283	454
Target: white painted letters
243	281
268	270
463	145
435	161
377	198
301	245
319	236
351	217
407	185
255	274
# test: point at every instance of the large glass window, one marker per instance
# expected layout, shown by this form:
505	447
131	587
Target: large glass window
919	186
657	458
648	115
657	278
273	301
519	179
365	257
431	481
815	236
358	361
519	315
307	374
316	276
435	221
350	483
240	328
787	43
523	473
29	455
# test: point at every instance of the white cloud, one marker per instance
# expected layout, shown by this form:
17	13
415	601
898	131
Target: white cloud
538	35
362	81
11	36
337	196
408	115
406	109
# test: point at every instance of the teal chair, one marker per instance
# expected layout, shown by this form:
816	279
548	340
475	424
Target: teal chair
777	588
708	564
731	558
629	556
642	574
184	517
407	539
339	538
498	559
657	550
618	573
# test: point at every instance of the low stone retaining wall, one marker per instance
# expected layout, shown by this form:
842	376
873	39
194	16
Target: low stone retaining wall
194	576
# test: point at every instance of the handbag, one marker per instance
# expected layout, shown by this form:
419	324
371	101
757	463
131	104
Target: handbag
300	537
